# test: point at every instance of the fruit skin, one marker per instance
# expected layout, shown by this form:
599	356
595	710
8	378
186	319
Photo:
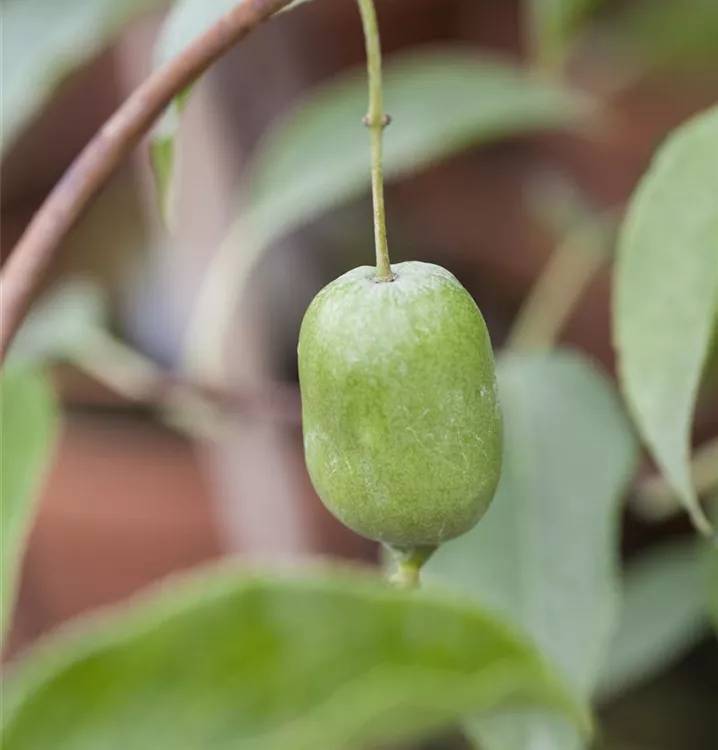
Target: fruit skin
401	417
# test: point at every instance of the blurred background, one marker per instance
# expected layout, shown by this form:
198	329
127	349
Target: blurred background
133	496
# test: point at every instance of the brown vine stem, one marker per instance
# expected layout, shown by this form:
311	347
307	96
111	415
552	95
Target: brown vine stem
71	196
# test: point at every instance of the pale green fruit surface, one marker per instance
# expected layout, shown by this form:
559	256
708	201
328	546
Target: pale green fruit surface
401	419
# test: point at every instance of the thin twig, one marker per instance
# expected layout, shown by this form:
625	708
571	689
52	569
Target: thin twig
71	196
558	289
138	379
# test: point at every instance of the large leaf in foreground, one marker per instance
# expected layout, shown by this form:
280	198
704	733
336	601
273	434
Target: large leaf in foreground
261	661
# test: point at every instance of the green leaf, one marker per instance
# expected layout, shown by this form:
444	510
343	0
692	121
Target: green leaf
553	24
61	324
545	554
659	33
43	41
666	279
187	20
663	614
163	156
440	102
260	661
28	420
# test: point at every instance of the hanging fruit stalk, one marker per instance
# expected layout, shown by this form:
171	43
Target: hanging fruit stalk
401	417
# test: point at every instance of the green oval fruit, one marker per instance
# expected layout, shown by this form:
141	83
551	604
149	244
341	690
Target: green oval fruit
401	419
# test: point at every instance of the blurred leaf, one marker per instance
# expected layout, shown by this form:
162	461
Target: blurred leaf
663	614
664	32
186	20
553	24
545	553
43	41
440	101
61	323
261	661
667	295
163	156
27	428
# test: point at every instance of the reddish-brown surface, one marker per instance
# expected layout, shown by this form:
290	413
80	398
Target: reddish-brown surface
125	504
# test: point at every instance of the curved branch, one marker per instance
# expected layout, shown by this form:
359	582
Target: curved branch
73	194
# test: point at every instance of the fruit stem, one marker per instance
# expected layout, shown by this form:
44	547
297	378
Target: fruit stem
376	121
407	564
